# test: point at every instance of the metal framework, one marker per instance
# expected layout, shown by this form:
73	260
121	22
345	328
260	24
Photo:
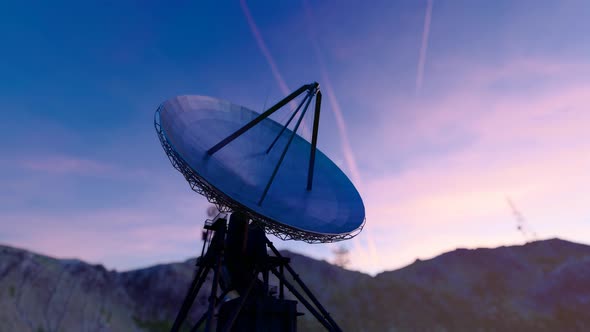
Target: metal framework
226	204
215	257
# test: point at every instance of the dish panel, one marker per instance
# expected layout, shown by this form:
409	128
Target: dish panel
235	176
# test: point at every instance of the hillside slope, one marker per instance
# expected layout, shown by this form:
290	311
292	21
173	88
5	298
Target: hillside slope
544	285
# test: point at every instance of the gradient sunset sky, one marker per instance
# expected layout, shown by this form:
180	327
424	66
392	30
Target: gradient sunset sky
439	111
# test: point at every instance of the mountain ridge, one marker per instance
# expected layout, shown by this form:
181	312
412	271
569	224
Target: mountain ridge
542	285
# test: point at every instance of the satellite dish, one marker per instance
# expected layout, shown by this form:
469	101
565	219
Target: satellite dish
243	161
271	180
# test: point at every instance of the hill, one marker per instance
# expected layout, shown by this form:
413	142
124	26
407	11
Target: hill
543	285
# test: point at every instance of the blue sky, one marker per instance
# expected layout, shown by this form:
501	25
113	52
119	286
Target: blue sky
437	110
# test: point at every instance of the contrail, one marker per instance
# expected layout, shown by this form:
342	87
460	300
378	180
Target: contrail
342	131
262	45
346	149
424	46
271	62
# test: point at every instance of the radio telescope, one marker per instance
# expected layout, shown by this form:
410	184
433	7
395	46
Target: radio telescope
267	179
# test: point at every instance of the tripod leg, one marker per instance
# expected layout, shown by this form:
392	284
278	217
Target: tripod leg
308	305
200	321
190	297
206	313
305	289
213	296
281	285
243	299
259	118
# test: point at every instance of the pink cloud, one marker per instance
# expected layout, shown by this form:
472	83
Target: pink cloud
121	250
477	108
534	147
117	237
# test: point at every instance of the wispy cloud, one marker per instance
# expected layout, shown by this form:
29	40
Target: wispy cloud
271	61
370	253
262	46
62	164
424	46
326	84
519	143
349	155
160	228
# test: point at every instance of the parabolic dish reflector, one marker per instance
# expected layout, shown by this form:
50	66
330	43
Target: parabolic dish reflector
234	178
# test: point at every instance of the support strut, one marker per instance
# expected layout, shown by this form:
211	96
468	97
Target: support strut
255	297
261	117
313	89
276	169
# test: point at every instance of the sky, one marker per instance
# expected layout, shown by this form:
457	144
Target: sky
440	112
